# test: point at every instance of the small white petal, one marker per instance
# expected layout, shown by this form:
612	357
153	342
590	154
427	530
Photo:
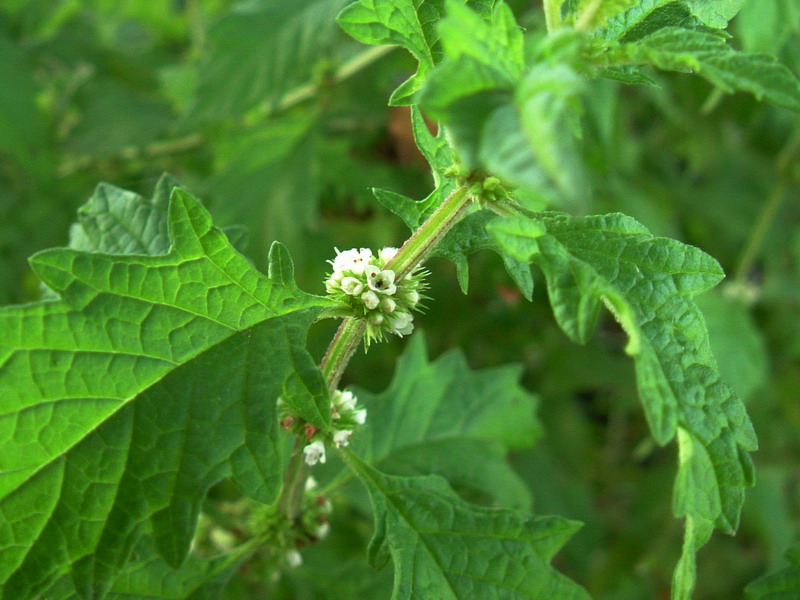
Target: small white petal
360	416
294	558
387	254
323	530
315	452
342	438
346	399
311	484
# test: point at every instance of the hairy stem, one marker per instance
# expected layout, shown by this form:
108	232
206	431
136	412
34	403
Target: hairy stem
552	14
416	249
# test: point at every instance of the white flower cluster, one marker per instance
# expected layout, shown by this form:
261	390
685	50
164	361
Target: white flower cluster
370	291
346	416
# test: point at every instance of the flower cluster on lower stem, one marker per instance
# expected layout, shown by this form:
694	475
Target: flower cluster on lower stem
346	415
366	289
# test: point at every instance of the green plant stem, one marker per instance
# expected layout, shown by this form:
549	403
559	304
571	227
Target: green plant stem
416	249
341	350
289	502
587	16
552	14
759	233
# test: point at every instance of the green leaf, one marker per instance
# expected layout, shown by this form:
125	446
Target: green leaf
411	24
443	547
152	378
484	62
715	13
708	55
118	221
468	236
539	140
783	584
441	417
648	16
148	576
258	51
647	283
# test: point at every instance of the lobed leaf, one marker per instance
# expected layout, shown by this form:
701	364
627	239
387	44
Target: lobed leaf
648	16
708	55
149	380
647	283
411	24
440	417
443	547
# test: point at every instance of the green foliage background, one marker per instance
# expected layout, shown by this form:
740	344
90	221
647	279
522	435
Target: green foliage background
278	120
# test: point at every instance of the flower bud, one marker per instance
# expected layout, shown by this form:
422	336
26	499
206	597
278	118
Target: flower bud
375	319
388	305
352	286
370	299
412	297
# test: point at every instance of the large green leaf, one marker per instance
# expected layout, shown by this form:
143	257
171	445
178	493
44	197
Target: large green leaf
149	380
442	418
411	24
445	548
708	55
647	283
148	576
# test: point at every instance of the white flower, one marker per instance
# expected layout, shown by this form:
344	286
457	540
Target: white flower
381	281
387	254
360	416
370	299
342	438
375	319
294	558
388	305
347	400
401	323
352	260
323	530
352	286
315	452
334	281
311	484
